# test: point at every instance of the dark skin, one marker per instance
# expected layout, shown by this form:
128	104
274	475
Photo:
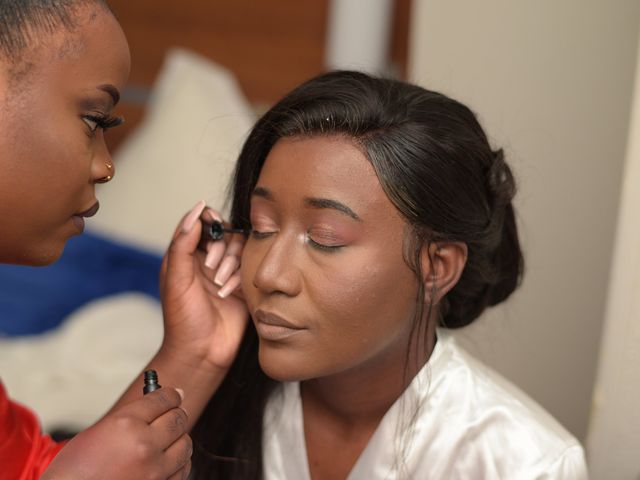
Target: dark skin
327	262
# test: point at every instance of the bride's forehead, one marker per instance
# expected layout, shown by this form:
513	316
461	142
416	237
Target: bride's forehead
325	153
316	161
300	169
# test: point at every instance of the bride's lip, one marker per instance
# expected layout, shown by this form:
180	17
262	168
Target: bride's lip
273	327
90	212
274	320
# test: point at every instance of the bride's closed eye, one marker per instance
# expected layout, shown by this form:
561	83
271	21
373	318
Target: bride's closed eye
258	235
324	239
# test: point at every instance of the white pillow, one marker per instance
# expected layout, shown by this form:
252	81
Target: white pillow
184	151
72	375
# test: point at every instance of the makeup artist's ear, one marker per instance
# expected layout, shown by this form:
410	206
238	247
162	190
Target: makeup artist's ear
442	265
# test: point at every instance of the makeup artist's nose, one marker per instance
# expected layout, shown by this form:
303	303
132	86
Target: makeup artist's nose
277	272
102	168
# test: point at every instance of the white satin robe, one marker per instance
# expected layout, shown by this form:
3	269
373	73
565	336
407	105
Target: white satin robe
471	424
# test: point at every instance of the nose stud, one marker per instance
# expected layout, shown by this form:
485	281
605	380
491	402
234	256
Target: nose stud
106	178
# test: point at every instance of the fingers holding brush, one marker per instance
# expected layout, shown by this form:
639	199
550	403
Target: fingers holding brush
223	246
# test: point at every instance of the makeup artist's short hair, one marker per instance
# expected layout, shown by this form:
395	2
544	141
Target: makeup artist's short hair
24	22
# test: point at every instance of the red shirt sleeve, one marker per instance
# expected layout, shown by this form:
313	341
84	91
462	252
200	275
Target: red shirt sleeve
25	452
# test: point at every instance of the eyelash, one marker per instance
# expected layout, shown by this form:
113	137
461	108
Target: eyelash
259	235
324	248
103	122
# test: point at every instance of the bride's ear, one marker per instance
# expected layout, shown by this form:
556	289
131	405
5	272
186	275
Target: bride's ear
442	265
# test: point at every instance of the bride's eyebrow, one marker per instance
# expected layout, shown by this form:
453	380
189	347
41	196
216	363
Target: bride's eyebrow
332	204
312	202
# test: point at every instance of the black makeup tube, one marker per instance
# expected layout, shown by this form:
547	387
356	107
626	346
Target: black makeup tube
150	382
215	231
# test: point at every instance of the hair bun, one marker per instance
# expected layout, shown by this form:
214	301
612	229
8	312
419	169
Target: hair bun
500	181
507	258
498	270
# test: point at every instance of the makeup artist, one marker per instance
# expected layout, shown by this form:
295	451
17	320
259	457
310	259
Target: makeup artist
63	64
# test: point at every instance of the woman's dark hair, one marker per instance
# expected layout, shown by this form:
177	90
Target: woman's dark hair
22	20
435	164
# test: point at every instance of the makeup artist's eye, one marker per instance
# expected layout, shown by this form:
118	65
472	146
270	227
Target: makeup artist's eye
98	121
93	125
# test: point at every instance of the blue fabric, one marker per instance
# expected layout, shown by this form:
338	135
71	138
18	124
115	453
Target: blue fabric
37	299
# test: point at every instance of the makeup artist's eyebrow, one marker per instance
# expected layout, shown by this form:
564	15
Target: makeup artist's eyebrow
332	204
112	91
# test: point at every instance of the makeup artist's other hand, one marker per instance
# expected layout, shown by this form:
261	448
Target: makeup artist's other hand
144	439
200	326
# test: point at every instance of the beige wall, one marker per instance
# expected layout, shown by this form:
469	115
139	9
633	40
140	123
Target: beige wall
614	437
551	82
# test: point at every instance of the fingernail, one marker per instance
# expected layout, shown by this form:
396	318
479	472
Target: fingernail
229	287
181	393
214	254
193	216
227	267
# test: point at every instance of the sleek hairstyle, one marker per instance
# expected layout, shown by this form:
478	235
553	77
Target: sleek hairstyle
23	21
435	164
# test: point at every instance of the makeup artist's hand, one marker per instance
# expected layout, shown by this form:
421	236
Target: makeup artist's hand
201	325
144	439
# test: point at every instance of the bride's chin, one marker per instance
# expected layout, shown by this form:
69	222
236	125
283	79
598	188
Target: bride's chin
282	366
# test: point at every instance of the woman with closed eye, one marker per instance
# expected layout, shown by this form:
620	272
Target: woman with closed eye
380	218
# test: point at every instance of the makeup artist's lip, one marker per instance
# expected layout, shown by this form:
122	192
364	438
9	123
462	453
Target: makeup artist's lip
78	222
78	218
90	212
273	327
